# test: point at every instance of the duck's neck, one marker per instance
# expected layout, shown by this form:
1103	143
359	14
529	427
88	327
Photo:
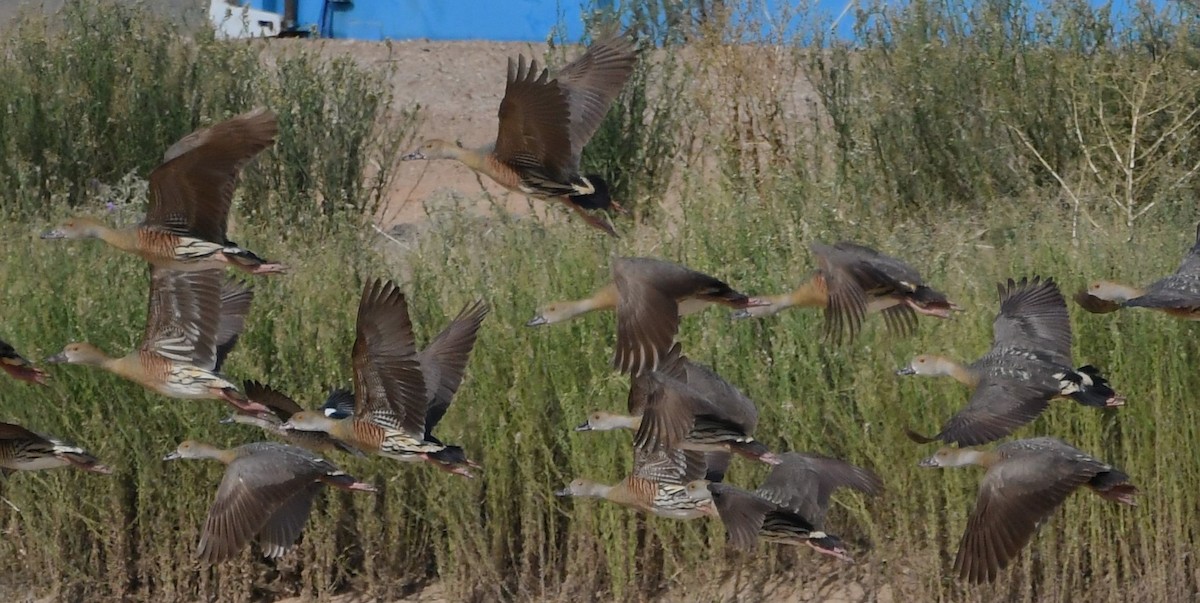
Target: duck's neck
1116	292
594	490
613	422
125	239
604	299
945	367
811	294
208	451
340	429
475	159
129	366
983	458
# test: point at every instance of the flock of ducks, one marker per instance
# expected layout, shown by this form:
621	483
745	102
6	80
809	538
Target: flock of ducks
687	421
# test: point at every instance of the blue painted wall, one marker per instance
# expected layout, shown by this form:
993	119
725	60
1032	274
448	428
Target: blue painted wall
508	20
502	20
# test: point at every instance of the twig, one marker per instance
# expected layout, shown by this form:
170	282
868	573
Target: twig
1062	183
388	236
11	505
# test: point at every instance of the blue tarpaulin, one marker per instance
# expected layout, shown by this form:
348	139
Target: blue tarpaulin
501	20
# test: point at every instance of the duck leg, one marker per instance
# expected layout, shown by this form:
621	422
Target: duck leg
824	548
24	372
937	311
239	401
248	262
593	221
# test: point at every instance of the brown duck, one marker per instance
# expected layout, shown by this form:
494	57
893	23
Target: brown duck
854	280
267	491
790	506
401	395
649	296
190	196
1025	481
656	486
1176	294
544	125
1028	365
708	417
24	450
193	321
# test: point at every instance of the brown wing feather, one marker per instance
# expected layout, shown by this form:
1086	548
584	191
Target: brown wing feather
736	406
534	121
674	364
648	292
742	513
847	305
592	82
669	417
388	385
236	298
256	484
661	466
279	403
647	321
444	360
695	465
284	526
901	320
193	189
183	315
11	431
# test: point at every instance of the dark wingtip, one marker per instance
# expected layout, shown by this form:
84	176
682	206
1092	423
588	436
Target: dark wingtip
1094	304
918	438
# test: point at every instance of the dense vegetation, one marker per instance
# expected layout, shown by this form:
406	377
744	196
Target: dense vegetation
980	142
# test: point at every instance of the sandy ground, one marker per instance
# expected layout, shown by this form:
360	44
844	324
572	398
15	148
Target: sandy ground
777	591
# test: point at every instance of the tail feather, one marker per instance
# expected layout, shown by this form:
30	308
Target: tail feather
927	296
1114	485
754	450
599	198
85	461
245	257
1088	387
248	261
